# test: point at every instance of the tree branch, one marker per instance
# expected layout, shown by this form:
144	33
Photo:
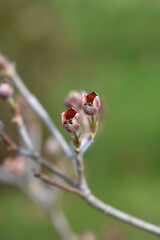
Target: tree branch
82	189
48	165
35	104
109	210
50	181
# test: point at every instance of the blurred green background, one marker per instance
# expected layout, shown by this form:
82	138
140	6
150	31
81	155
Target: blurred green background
112	47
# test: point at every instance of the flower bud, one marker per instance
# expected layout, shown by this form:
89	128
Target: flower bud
74	99
15	165
52	147
71	120
91	103
6	89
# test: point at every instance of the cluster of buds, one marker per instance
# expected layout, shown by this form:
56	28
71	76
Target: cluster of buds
82	106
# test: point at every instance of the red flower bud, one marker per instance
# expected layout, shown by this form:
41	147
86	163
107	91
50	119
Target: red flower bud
91	103
71	120
6	89
74	99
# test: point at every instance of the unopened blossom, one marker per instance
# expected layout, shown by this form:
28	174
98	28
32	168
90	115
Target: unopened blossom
74	99
91	103
15	165
6	89
71	120
52	147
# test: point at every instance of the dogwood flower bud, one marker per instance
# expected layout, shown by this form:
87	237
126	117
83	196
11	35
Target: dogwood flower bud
15	165
74	99
6	89
71	120
52	147
91	103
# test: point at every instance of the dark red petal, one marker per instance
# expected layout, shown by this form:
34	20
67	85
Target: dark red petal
70	113
91	96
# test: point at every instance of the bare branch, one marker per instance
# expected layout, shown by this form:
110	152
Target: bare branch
82	188
86	143
35	104
48	165
109	210
50	181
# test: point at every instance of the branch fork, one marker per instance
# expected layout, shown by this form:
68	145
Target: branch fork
81	106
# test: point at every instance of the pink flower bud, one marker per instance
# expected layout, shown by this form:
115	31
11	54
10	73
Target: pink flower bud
52	147
15	165
74	99
6	89
71	120
91	103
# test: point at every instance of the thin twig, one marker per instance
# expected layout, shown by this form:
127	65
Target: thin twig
109	210
39	109
86	143
106	209
48	165
50	181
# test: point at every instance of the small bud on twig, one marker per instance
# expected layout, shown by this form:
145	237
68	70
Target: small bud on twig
71	120
15	164
74	99
91	103
52	147
6	89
